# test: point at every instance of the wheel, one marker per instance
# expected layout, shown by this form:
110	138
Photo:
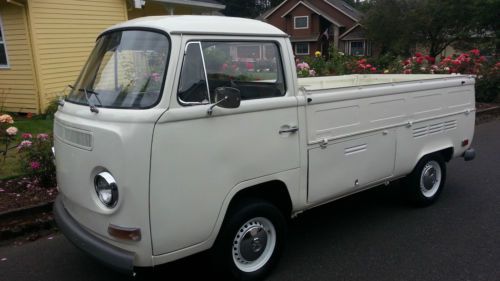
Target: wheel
250	241
425	184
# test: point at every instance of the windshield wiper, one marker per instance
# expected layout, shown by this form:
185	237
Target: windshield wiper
92	106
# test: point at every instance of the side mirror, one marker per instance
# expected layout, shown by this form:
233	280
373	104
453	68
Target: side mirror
226	97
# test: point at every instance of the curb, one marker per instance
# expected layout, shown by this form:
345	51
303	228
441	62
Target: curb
28	220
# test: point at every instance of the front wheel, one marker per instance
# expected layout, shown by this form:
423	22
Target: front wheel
425	184
251	240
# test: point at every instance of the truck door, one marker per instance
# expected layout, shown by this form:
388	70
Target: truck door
197	159
346	152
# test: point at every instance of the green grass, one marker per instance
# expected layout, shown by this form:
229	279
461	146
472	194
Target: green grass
10	167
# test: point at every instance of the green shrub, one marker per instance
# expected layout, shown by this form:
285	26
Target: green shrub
488	83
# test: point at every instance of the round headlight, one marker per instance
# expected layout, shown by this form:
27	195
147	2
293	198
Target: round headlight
106	188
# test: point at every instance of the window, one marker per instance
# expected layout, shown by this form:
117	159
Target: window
4	62
357	48
253	68
301	22
302	48
126	69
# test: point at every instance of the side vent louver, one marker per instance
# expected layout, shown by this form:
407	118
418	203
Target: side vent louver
72	136
434	128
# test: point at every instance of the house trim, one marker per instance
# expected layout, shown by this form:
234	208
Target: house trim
4	42
340	10
349	30
275	9
312	8
295	22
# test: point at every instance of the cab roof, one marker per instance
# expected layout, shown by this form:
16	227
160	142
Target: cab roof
205	25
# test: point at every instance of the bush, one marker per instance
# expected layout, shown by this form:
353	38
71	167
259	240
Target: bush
488	83
37	158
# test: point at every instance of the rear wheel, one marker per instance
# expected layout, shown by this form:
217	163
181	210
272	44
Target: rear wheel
251	240
425	184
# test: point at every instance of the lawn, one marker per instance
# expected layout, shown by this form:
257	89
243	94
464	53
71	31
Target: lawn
10	166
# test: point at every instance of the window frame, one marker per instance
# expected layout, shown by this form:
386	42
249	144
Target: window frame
250	42
179	100
3	41
302	54
357	41
300	17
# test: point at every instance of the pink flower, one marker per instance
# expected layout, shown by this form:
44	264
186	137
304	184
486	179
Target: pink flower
368	66
312	72
475	52
11	131
373	69
418	55
362	61
430	59
407	71
224	67
249	65
303	66
43	137
24	144
35	165
26	136
406	62
420	60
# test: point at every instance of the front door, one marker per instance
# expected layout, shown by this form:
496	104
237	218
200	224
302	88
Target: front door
197	159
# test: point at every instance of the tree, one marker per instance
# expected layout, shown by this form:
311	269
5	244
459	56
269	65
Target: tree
248	9
397	25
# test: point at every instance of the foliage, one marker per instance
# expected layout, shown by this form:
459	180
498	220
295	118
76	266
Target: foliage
52	108
398	25
488	83
248	9
37	158
7	134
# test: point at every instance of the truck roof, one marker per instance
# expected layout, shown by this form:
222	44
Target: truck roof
213	25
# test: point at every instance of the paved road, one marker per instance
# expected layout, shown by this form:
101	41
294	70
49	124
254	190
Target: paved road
371	236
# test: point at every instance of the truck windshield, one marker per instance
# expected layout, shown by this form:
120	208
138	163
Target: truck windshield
126	69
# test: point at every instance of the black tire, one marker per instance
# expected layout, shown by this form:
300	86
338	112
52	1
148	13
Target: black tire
425	184
246	236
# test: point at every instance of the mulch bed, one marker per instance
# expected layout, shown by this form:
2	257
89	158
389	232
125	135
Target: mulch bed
23	192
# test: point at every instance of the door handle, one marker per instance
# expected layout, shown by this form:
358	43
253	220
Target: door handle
288	129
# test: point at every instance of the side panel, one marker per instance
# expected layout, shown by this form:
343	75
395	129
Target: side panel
366	140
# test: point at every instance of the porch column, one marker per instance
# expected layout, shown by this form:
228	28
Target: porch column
336	35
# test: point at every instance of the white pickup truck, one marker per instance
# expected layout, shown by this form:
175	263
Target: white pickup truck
188	133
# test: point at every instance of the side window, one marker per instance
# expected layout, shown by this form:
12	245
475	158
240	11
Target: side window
193	83
254	68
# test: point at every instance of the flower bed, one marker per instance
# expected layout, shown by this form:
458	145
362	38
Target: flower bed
487	71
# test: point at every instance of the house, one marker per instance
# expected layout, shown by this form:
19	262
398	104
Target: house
45	43
315	25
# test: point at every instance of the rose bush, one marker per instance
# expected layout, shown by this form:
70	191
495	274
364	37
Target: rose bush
37	158
7	133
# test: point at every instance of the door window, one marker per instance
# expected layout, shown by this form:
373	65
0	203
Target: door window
254	68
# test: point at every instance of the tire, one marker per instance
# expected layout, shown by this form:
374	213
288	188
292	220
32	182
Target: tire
425	184
250	241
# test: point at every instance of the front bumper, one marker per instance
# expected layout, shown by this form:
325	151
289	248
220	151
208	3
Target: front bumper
112	256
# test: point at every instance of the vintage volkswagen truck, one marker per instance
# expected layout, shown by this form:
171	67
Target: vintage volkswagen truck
188	133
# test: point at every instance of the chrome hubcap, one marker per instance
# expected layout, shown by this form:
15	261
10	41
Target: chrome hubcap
254	244
430	179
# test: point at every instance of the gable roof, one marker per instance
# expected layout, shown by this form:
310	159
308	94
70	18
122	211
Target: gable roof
345	8
340	5
313	8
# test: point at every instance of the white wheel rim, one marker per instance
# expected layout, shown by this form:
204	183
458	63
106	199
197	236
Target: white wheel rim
430	179
253	244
